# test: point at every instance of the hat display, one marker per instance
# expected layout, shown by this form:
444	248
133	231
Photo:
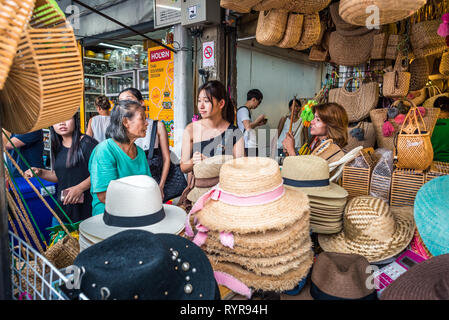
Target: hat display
340	276
140	265
327	200
206	175
432	215
428	280
133	202
253	229
372	229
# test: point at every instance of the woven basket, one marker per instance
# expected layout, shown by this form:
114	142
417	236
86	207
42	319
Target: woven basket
357	175
350	50
390	11
266	5
317	53
242	6
64	252
405	185
419	71
381	178
437	169
397	83
369	136
428	51
306	6
380	42
311	32
414	147
45	85
394	42
418	96
444	64
378	117
293	32
424	35
358	103
271	27
14	16
430	102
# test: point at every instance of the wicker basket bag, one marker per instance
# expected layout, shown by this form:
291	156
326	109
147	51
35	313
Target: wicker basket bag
350	50
306	6
45	85
271	27
357	12
14	16
242	6
311	32
414	148
397	82
419	73
266	5
380	42
444	64
293	32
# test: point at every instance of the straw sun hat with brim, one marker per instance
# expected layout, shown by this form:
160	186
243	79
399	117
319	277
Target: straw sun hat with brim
206	175
432	215
140	265
259	201
134	202
340	276
372	229
428	280
310	174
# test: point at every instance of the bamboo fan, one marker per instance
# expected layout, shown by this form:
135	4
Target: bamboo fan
14	16
45	84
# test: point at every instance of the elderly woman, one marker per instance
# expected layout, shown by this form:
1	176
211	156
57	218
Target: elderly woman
118	156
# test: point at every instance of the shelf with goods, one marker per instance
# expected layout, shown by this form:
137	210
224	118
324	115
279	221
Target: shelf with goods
117	81
47	149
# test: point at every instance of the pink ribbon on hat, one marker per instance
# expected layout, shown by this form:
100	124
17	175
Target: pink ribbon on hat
218	194
226	238
232	283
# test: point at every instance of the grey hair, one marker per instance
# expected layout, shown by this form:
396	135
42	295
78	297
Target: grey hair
116	129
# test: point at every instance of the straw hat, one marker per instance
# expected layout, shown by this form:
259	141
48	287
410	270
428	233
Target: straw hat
134	202
342	27
372	229
428	280
206	175
432	215
246	177
310	174
339	276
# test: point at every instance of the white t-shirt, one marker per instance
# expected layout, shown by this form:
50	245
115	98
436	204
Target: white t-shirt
249	135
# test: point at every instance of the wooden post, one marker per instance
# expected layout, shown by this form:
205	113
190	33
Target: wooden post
291	116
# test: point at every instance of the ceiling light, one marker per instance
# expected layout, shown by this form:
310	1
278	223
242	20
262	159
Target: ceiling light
112	46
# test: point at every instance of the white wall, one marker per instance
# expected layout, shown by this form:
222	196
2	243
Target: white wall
278	79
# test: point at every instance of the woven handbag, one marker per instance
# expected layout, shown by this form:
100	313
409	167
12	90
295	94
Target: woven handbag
266	5
45	84
14	16
393	45
380	42
419	73
350	50
306	6
424	35
413	149
293	32
378	117
242	6
358	103
397	82
342	27
362	134
271	26
390	11
311	32
444	64
319	54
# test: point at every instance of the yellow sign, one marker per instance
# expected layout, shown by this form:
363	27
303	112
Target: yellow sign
160	76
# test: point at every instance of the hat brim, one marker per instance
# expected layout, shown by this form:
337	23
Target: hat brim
327	202
197	193
173	223
373	249
333	191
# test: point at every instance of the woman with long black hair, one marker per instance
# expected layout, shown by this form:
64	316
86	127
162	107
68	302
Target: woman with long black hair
71	151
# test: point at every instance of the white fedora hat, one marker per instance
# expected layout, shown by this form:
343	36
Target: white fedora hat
134	202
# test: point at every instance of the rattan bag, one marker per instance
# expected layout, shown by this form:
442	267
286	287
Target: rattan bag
350	50
311	32
444	64
293	32
306	6
397	82
419	73
242	6
271	27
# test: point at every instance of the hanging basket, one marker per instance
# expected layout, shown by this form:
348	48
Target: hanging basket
242	6
306	6
293	32
271	27
397	83
350	51
380	42
419	71
266	5
14	16
357	12
45	85
444	64
311	32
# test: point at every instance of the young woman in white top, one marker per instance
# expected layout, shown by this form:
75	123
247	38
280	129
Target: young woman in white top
97	125
284	126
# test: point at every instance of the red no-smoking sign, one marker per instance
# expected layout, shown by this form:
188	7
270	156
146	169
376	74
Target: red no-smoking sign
208	54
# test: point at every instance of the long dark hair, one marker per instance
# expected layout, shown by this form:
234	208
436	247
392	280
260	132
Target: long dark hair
75	154
123	109
215	89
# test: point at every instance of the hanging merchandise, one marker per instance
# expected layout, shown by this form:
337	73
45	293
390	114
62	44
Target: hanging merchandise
306	6
271	27
47	70
360	134
419	73
344	28
311	32
358	103
380	42
397	82
350	50
444	64
390	11
15	16
418	96
413	149
293	32
242	6
395	42
266	5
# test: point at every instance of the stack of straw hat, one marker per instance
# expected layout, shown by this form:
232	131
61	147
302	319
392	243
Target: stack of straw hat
253	229
310	174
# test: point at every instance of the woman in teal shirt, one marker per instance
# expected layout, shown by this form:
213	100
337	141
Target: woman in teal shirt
118	156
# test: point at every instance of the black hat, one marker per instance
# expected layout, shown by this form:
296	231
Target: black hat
140	265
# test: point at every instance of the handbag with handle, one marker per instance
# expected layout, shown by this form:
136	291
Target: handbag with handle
397	82
413	148
176	181
358	103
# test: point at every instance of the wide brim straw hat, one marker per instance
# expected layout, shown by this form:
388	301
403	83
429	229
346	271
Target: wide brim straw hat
372	229
432	215
429	280
321	202
342	27
134	202
206	174
246	178
300	172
